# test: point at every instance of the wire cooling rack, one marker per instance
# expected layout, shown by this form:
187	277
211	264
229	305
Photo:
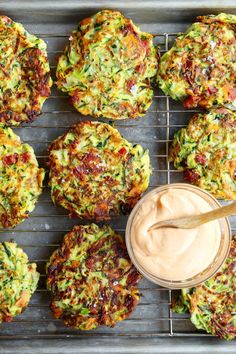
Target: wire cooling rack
42	233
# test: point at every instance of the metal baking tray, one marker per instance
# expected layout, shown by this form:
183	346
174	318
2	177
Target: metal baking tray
43	231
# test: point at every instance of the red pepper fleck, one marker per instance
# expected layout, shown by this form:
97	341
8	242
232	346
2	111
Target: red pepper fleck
201	159
44	90
191	101
128	29
191	176
25	157
17	44
140	68
90	262
133	278
10	159
110	181
79	173
122	151
7	318
212	89
232	94
146	45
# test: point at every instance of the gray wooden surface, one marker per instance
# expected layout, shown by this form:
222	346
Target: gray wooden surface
148	329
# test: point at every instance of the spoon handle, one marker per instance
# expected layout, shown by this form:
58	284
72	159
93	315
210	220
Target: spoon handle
190	222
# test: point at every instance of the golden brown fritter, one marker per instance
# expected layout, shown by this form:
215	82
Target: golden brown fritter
107	67
200	68
212	305
20	179
95	173
24	73
206	152
18	281
92	279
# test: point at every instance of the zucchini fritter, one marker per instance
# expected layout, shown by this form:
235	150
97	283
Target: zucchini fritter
24	73
92	279
107	67
20	179
200	68
95	173
18	281
206	151
212	305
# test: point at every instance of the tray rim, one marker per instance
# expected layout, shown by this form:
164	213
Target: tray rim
125	4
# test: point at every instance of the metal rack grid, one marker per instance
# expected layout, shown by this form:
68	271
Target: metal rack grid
43	231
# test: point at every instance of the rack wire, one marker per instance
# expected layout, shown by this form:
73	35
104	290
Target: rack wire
44	230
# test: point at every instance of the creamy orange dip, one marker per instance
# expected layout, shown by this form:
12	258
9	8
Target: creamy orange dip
174	254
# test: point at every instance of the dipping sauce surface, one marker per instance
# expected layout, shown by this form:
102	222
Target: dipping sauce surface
174	254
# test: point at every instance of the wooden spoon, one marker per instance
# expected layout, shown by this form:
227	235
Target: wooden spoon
192	221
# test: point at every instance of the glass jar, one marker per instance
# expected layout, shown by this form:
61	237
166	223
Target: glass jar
219	258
